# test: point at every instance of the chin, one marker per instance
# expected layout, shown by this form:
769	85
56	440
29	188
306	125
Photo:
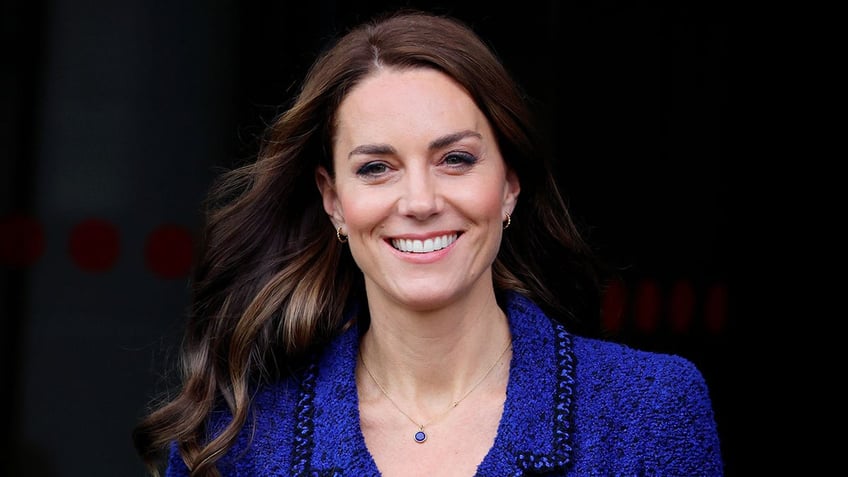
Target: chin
419	300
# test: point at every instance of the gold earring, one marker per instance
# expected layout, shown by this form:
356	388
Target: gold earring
342	238
507	221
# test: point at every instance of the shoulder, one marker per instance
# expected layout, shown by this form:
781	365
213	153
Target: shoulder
649	410
604	360
656	403
605	364
263	445
610	370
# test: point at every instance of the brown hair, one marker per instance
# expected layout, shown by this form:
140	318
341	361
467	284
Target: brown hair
273	283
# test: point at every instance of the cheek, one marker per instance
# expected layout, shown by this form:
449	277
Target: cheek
486	201
363	210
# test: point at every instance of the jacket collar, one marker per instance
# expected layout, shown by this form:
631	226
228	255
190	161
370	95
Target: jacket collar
534	434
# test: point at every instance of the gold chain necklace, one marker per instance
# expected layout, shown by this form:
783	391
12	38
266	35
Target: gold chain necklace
420	436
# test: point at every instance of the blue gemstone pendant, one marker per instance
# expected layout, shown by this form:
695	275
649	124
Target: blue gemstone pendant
420	436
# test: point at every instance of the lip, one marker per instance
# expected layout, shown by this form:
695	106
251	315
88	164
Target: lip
423	244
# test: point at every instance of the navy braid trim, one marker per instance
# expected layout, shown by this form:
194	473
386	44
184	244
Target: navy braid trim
564	404
304	427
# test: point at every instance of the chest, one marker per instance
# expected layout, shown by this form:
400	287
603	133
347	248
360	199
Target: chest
457	442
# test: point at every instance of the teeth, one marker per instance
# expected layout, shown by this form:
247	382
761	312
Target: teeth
424	246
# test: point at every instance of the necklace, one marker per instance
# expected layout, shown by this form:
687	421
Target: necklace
420	436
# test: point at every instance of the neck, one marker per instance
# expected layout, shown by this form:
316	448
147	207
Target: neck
429	359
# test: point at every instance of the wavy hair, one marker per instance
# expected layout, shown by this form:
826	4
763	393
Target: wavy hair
272	283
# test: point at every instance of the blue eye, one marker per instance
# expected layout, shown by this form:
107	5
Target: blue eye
372	169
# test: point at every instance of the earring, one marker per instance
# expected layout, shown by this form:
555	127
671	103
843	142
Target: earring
507	221
342	238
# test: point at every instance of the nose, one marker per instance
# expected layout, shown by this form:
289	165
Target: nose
421	197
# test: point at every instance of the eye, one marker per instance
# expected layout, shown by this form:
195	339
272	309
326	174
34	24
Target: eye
372	169
459	160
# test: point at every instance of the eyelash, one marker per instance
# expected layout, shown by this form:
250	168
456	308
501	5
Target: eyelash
367	169
466	160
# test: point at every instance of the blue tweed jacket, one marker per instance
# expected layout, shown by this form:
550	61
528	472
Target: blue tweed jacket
574	407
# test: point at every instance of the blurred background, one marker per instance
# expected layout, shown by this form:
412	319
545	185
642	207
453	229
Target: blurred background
116	115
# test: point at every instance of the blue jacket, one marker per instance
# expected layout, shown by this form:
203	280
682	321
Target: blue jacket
575	406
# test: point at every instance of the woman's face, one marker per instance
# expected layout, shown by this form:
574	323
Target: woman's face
420	189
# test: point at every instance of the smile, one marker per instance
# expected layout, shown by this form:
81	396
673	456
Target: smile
424	246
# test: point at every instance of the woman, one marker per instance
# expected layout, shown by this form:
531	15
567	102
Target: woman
419	311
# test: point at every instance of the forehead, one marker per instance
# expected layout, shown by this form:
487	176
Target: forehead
392	100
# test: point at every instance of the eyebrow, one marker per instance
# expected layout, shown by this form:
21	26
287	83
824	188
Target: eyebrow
438	143
452	138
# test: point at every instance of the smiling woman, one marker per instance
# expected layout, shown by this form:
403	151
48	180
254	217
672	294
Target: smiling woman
415	160
420	312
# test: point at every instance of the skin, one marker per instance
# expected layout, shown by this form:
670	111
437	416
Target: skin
416	160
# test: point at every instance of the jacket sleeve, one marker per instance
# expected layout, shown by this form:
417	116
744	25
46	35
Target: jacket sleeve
175	467
684	430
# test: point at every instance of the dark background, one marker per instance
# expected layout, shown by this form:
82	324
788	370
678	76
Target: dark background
116	114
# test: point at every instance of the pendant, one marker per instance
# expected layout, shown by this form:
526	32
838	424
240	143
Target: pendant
420	436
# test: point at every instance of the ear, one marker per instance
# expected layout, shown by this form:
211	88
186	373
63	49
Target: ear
329	196
511	191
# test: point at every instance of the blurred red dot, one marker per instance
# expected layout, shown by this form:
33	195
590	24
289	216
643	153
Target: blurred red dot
21	240
168	251
681	306
647	306
715	308
94	245
612	308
